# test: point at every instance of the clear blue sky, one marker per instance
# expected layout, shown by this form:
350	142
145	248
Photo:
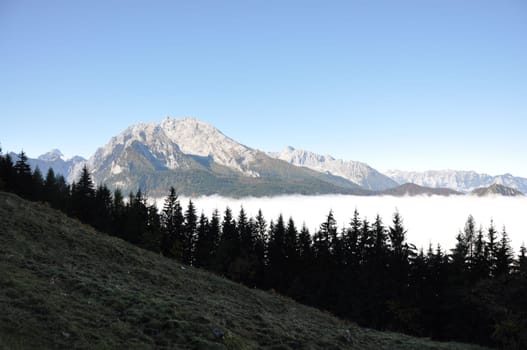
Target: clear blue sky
412	85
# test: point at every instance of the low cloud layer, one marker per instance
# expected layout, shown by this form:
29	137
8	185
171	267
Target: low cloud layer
433	219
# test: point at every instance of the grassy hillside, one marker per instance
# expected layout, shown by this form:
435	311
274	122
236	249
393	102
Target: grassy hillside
63	285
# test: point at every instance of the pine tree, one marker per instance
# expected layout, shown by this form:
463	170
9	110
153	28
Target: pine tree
276	255
291	251
351	242
246	262
290	243
172	242
136	219
37	183
103	209
522	261
504	255
204	245
189	233
324	239
153	232
491	247
83	197
229	247
260	249
118	213
397	235
469	233
23	176
7	173
480	265
214	239
50	187
245	233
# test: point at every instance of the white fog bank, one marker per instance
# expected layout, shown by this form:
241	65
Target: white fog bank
433	219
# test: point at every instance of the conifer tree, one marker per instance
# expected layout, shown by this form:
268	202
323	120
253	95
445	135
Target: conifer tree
245	233
23	176
480	265
276	255
189	233
153	232
7	173
305	243
229	247
491	247
260	249
291	251
290	243
204	246
136	219
504	255
37	183
172	242
214	239
103	209
83	197
351	242
522	262
50	187
246	262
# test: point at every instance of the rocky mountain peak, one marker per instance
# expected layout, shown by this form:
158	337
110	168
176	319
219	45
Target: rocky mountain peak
358	172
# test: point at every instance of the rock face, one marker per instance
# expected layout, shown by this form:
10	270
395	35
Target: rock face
360	173
463	181
198	159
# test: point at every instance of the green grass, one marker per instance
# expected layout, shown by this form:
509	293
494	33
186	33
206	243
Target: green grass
65	286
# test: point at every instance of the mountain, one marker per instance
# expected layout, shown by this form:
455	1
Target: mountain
410	189
65	286
55	159
496	189
197	159
360	173
463	181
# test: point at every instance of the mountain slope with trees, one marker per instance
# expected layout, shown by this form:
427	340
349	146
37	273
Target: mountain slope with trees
64	286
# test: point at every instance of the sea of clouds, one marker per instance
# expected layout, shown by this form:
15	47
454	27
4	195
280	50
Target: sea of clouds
428	219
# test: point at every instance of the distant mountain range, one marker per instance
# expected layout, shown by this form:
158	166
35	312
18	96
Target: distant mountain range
55	159
462	181
198	159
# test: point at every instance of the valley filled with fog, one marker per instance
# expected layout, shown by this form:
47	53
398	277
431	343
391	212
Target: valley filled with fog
435	219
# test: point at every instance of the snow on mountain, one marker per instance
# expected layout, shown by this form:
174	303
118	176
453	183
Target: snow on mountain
360	173
463	181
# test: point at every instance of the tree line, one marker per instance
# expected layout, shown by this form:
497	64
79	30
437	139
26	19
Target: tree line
366	271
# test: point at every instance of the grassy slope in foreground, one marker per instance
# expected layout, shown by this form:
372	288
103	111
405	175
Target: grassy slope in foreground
62	285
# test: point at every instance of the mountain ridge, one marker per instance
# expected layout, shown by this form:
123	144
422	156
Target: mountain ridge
462	181
199	159
358	172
